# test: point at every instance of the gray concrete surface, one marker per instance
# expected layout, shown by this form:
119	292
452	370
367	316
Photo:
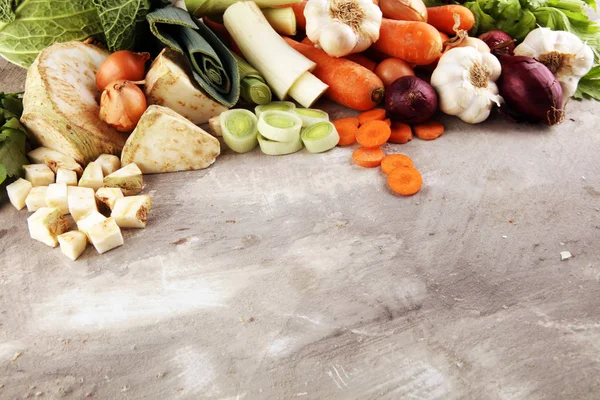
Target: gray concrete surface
304	277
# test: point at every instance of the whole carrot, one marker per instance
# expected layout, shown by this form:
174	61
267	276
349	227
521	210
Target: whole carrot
442	18
412	41
362	60
350	84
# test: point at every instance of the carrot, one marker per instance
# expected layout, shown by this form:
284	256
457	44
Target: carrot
299	12
444	37
442	18
222	33
414	42
388	122
307	42
401	133
393	161
373	134
376	114
346	129
350	84
405	181
368	158
362	60
429	130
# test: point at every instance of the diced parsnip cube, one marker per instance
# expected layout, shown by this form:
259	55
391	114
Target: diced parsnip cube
72	244
56	196
36	198
106	235
108	196
46	224
81	201
54	160
109	163
38	174
66	176
90	220
132	211
128	179
18	191
92	176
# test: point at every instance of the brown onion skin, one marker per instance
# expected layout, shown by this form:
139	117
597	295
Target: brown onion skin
410	100
531	92
499	42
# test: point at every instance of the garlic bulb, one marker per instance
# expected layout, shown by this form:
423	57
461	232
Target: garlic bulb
562	52
465	81
342	27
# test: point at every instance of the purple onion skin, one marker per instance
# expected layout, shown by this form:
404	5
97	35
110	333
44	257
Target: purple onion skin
410	100
531	92
500	42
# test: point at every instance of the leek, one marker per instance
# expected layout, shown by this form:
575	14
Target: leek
201	8
273	148
253	88
279	126
283	20
275	106
320	137
311	116
239	130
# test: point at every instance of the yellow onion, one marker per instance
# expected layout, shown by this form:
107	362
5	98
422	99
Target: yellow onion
122	105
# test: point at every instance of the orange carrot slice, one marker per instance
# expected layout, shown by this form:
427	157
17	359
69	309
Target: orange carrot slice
368	157
429	130
401	133
393	161
373	134
346	129
405	181
377	114
388	122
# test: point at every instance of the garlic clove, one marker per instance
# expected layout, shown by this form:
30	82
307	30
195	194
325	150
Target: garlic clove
337	39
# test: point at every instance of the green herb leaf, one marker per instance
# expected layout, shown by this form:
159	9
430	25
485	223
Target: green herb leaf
12	152
589	85
121	20
3	173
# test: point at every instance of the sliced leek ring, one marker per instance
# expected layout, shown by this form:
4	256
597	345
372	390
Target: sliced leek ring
274	106
274	148
311	116
239	129
280	126
320	137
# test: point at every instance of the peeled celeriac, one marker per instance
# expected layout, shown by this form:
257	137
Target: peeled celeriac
46	224
168	84
105	235
273	148
36	198
56	197
54	160
60	107
108	196
342	27
214	126
279	126
311	116
132	211
129	179
185	147
81	201
286	70
109	163
72	244
92	176
274	106
320	137
18	191
239	130
38	174
66	176
86	223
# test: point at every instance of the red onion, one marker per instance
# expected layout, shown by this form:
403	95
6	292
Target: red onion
530	91
410	100
500	42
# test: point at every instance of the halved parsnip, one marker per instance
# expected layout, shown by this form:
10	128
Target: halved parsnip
38	174
92	176
109	163
72	244
66	176
82	201
54	160
56	196
36	198
46	224
129	179
18	191
108	196
132	211
86	223
106	235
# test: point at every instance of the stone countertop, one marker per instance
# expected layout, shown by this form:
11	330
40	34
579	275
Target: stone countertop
304	277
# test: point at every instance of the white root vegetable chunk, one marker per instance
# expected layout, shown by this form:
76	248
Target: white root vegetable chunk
56	197
109	163
132	212
82	201
129	179
36	198
106	235
86	223
164	141
92	176
66	176
108	196
38	174
18	191
72	244
54	160
285	70
46	224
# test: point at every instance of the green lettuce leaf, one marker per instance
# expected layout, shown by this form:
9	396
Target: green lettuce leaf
506	15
